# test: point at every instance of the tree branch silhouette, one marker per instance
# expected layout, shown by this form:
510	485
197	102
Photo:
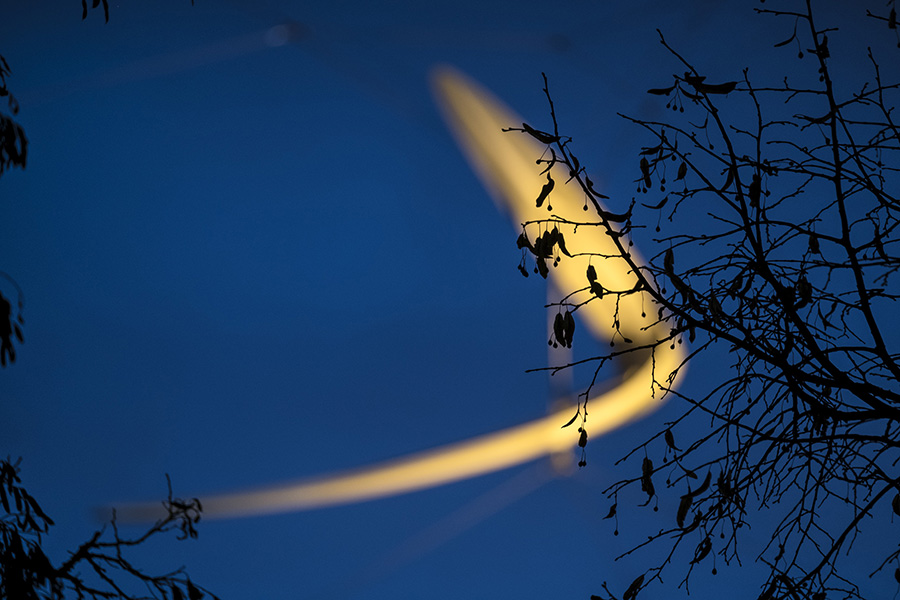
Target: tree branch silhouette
784	273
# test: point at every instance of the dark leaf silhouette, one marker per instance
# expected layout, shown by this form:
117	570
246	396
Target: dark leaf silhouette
541	136
568	328
661	91
702	551
572	420
670	439
193	592
720	88
632	591
545	191
24	525
647	478
611	513
683	508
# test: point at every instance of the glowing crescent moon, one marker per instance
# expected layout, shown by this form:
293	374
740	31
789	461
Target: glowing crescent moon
506	164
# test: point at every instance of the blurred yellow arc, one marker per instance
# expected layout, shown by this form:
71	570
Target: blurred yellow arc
506	164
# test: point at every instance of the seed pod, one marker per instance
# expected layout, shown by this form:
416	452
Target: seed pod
559	329
568	329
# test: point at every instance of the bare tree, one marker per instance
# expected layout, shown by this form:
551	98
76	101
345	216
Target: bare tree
776	215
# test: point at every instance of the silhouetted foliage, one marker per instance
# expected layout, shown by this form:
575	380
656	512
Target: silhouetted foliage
9	326
776	216
13	143
26	573
14	154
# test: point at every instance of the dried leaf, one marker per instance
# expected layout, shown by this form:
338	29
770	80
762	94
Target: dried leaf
661	91
611	513
572	420
703	486
729	179
545	191
645	171
569	329
814	244
541	136
617	217
647	477
669	261
590	186
787	41
561	243
754	191
670	440
719	88
683	508
559	329
522	242
633	589
193	592
702	550
657	206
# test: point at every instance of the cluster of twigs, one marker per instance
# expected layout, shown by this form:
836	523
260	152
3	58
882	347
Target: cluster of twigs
99	568
777	219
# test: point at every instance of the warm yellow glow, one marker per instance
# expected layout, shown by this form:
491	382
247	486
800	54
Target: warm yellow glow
506	164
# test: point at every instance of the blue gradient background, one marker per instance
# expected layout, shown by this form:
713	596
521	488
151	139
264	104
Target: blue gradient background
247	264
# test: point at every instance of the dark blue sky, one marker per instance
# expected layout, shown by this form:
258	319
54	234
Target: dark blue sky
246	263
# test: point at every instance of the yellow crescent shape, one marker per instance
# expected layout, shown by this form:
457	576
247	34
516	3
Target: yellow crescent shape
506	164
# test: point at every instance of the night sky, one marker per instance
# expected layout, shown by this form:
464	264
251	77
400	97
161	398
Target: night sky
251	252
